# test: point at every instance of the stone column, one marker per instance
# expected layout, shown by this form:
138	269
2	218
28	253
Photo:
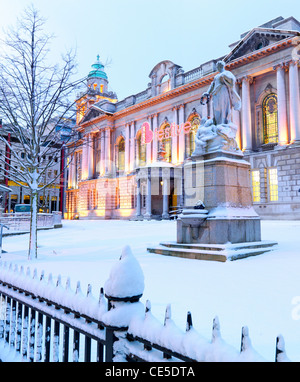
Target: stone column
90	156
181	141
149	146
148	197
138	198
132	143
155	143
165	189
294	101
71	171
102	161
281	102
107	151
174	137
84	171
127	148
246	114
236	121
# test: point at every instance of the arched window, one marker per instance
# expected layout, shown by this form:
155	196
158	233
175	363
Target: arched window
190	138
165	84
121	155
270	122
165	144
141	151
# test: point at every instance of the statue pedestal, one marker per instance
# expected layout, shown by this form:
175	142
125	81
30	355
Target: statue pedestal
220	179
224	187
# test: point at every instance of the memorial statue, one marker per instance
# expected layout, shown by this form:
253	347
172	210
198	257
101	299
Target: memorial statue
219	132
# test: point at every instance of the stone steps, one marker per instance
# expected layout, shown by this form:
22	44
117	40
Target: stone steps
213	252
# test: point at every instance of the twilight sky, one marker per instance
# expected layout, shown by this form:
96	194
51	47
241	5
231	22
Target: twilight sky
135	35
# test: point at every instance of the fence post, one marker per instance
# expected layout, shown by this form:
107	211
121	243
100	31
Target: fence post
1	234
124	286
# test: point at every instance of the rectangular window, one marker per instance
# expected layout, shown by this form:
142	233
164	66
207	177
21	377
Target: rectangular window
256	186
273	184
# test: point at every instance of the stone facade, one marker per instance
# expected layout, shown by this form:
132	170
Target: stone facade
131	163
50	199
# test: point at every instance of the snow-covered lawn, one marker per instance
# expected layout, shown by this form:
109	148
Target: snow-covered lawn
260	292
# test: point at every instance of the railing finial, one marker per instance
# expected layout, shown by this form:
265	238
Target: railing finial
147	307
216	332
167	314
189	321
245	340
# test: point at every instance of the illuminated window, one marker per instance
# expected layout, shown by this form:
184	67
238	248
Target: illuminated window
273	184
81	110
141	151
165	145
256	185
101	88
91	199
121	155
270	119
190	138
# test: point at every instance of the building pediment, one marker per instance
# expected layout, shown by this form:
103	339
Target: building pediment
105	107
163	68
258	38
163	71
91	114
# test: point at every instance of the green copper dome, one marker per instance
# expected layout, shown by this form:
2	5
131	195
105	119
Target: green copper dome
97	70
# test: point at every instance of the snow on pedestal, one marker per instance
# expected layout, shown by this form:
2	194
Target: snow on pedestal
126	278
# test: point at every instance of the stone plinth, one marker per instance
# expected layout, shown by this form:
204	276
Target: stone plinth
228	228
224	187
219	230
221	180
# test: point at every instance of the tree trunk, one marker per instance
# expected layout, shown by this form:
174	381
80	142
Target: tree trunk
32	253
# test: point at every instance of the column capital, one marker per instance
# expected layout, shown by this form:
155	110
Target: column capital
248	79
292	62
282	65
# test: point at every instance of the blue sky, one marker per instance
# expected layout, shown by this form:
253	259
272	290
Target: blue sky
134	35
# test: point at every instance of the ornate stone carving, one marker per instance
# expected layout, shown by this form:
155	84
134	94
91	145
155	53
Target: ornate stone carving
219	132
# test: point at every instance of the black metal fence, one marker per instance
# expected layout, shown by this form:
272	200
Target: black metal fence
45	322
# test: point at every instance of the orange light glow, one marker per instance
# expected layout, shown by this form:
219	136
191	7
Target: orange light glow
125	213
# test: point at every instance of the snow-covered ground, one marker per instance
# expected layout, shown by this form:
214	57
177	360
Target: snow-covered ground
261	292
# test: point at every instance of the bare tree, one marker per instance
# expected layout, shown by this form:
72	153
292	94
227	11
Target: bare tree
33	94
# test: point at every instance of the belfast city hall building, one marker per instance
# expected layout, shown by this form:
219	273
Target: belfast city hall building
130	163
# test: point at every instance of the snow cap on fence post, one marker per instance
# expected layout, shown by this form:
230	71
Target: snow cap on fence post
126	279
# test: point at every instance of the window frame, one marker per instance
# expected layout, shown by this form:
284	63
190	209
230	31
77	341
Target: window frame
272	197
256	193
269	138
